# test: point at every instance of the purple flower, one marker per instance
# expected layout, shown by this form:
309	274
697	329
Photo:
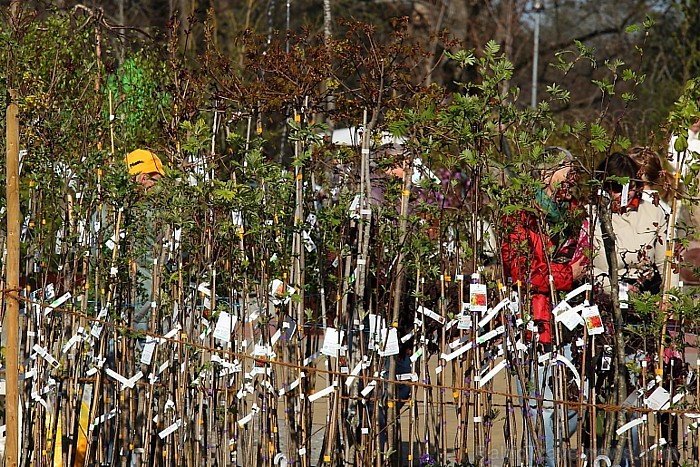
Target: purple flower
426	459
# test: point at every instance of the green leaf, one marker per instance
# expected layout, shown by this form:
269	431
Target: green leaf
628	97
680	145
492	47
618	179
464	58
558	92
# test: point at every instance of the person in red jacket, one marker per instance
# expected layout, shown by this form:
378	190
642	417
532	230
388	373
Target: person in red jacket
544	250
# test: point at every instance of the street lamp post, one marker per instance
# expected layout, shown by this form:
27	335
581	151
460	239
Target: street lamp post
538	7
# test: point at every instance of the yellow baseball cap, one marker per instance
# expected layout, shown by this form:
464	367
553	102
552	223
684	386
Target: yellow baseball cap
144	161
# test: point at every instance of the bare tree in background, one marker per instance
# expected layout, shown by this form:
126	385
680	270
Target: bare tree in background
599	24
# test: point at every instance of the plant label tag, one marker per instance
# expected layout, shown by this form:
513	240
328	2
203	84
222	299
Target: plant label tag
569	317
376	325
431	314
658	400
224	326
594	323
625	196
624	296
390	340
477	297
148	350
332	341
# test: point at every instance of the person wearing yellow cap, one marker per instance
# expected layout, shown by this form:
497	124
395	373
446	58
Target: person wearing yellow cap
147	169
146	166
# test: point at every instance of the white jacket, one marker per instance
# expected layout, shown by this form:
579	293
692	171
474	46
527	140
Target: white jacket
640	241
693	152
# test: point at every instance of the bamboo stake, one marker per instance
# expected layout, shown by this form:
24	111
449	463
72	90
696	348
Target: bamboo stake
510	423
442	429
399	285
412	429
561	415
296	276
35	202
427	393
670	247
98	399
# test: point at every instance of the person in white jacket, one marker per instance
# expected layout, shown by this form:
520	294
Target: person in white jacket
658	189
688	224
680	160
639	226
656	175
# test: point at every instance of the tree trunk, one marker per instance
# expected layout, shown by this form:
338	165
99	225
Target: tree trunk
619	339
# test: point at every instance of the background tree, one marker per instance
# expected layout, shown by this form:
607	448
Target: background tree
600	26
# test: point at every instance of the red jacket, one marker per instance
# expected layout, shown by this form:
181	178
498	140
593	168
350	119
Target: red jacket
526	253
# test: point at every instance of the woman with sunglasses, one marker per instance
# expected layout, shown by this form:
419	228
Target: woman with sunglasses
639	227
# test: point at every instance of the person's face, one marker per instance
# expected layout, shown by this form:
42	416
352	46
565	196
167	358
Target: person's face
616	197
695	127
147	180
560	185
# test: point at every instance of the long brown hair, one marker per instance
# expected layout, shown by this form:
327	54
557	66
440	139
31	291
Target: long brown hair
654	171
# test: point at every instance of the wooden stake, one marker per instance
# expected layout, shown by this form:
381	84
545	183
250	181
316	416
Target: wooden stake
13	257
